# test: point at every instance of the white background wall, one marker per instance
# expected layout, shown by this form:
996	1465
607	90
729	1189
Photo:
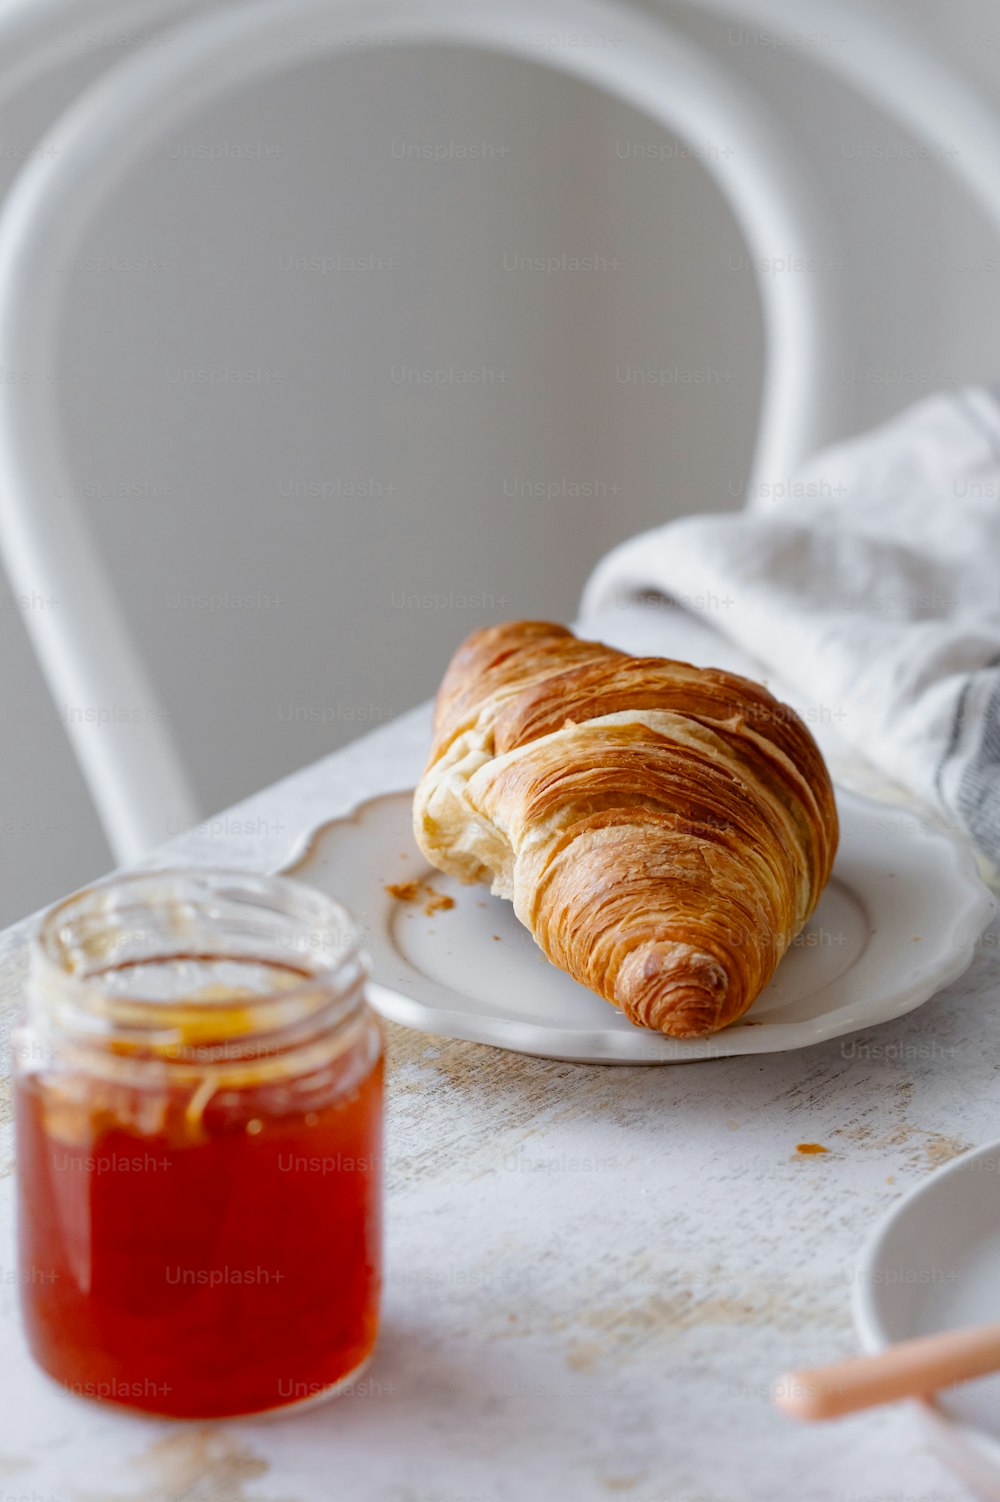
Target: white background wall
185	470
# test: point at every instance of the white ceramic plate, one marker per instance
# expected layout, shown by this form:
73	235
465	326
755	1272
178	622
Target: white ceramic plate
934	1264
896	923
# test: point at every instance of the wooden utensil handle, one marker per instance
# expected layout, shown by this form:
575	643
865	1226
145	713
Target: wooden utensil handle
911	1369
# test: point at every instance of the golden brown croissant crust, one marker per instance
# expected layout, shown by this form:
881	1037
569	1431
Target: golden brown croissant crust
664	831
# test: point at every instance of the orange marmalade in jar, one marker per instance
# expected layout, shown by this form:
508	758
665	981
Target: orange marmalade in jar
199	1145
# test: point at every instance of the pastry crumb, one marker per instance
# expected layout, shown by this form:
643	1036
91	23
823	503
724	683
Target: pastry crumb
810	1147
404	891
420	891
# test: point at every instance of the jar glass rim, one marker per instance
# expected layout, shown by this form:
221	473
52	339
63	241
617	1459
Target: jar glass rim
59	952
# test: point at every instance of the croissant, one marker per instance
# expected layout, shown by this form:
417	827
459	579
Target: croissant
663	831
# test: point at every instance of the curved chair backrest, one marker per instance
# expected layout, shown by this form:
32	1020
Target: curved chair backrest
131	763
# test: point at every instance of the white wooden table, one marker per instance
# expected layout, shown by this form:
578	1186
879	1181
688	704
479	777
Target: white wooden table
593	1273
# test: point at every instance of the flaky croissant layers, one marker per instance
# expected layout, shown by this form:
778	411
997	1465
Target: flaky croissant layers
663	831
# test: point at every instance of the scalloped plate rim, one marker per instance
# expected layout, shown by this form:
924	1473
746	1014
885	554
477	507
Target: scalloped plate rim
974	905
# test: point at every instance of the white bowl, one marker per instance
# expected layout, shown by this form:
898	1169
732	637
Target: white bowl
934	1264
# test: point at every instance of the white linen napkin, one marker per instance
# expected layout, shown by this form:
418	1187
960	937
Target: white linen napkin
868	587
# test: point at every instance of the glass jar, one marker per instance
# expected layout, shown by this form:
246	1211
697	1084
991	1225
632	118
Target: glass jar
199	1144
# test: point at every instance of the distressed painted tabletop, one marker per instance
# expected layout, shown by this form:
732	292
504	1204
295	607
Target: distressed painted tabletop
593	1272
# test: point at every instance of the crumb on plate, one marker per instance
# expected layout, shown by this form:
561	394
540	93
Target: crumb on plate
420	891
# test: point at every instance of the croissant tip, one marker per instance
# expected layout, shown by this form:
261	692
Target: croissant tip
674	989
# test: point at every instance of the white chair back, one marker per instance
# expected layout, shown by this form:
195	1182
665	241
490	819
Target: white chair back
131	764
